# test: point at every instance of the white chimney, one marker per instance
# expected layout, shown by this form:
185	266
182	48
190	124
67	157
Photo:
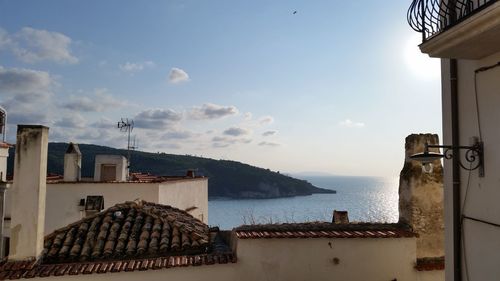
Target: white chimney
28	192
4	154
110	168
72	163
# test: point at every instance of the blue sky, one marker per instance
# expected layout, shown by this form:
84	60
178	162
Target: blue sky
333	88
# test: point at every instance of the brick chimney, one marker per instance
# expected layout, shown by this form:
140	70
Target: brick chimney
421	198
72	163
28	192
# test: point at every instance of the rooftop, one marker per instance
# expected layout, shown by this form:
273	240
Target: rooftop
325	230
131	236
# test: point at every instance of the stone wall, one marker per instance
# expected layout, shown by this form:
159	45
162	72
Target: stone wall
421	198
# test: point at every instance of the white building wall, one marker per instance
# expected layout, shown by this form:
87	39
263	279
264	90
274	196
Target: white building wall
315	259
482	242
432	275
186	194
63	198
297	260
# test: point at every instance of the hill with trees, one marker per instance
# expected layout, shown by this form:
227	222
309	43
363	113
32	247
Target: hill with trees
226	178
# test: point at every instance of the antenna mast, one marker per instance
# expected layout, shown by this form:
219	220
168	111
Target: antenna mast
126	125
3	123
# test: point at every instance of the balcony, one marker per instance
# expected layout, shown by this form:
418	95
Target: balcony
468	29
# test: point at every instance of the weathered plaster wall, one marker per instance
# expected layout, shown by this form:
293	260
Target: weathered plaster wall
482	242
185	195
63	199
28	193
72	166
421	198
433	275
297	259
326	259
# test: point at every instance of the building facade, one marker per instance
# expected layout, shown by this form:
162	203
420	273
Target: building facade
466	36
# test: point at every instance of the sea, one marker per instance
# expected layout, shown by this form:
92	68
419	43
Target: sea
367	199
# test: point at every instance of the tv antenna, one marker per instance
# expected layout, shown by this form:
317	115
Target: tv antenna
3	123
126	125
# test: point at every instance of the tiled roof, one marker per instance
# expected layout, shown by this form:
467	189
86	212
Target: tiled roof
126	237
428	264
147	177
129	230
30	269
325	230
51	177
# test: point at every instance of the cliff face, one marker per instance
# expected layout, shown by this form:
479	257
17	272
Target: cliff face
226	178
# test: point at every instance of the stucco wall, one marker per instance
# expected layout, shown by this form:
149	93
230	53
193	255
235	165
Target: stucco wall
63	199
433	275
327	259
421	198
482	242
185	194
298	259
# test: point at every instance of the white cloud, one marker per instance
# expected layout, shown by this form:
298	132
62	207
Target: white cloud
35	45
236	131
104	123
219	141
269	133
133	67
71	121
177	75
26	94
266	143
265	120
212	111
101	100
157	118
248	116
179	135
5	40
348	123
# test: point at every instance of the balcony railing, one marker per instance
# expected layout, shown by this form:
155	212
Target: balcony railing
431	17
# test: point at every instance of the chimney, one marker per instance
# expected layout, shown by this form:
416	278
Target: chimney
421	198
28	192
4	154
340	217
72	163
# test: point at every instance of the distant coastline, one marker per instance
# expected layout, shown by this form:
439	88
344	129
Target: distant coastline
229	179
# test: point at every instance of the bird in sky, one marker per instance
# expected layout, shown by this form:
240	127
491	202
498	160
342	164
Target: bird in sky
294	12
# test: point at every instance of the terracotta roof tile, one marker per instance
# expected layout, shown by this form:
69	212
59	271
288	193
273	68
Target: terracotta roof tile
126	237
325	230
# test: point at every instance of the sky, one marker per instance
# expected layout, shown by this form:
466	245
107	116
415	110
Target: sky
293	86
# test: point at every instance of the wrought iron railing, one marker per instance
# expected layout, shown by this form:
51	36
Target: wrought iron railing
431	17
